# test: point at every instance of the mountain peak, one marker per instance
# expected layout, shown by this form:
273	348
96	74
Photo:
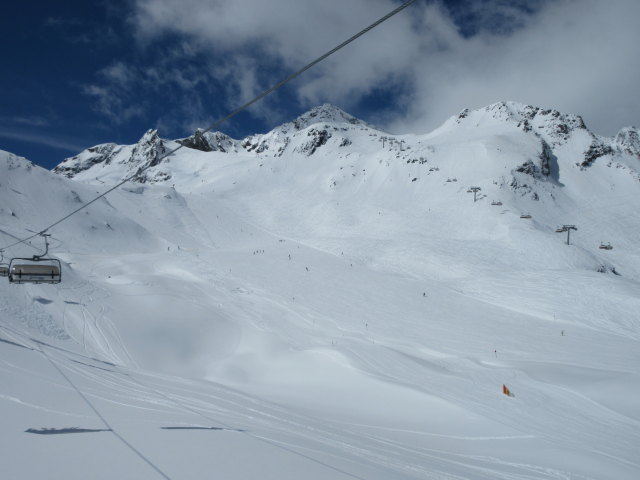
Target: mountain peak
13	161
146	152
552	125
210	142
629	139
324	113
278	140
510	110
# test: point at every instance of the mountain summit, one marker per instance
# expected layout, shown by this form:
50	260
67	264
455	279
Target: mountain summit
127	158
326	113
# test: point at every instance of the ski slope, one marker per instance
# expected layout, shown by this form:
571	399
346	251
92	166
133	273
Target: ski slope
309	310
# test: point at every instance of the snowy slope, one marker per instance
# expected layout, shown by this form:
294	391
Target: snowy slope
326	300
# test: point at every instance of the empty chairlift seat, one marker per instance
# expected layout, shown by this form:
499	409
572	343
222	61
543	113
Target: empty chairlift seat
24	270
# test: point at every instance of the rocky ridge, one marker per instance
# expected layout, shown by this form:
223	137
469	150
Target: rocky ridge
327	125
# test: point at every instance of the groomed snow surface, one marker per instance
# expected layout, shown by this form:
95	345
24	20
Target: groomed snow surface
324	315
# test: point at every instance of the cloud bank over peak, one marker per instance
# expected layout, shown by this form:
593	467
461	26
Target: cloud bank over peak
570	55
429	62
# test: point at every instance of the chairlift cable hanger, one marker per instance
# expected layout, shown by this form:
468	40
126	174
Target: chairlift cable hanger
222	120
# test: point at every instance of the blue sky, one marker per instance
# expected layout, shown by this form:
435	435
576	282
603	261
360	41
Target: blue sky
79	73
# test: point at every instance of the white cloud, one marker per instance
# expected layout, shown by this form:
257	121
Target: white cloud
34	121
248	37
43	139
109	103
575	55
119	73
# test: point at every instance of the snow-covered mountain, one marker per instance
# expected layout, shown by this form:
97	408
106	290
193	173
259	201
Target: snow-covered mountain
329	124
307	133
327	300
534	161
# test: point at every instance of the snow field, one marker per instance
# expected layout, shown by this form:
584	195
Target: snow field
257	319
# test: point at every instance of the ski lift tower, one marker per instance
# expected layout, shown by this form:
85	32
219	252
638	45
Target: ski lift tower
475	191
567	228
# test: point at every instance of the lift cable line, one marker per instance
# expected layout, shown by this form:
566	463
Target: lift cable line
4	232
222	120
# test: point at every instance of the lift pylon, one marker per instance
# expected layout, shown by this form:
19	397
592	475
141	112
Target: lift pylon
567	228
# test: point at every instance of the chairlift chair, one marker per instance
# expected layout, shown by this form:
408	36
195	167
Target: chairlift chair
525	215
30	270
559	230
37	269
605	246
496	202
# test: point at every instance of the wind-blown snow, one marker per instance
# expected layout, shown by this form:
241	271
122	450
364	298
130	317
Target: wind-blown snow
327	300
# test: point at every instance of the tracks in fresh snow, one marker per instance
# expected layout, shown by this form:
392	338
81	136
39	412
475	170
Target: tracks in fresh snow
341	449
116	378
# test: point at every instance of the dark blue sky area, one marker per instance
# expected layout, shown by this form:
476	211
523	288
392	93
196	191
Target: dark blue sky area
49	51
54	51
57	99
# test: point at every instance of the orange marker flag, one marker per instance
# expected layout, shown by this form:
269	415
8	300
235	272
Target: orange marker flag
506	391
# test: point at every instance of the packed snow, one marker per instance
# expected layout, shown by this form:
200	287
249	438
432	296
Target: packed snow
327	300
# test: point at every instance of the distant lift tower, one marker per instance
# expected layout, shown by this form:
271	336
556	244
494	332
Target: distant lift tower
475	191
567	228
